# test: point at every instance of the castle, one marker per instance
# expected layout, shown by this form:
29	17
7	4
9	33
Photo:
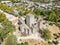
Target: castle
29	25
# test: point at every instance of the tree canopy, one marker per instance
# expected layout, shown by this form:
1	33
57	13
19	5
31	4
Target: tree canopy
6	28
5	8
13	1
11	40
46	34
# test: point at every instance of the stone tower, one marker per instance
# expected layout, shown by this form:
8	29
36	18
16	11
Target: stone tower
30	20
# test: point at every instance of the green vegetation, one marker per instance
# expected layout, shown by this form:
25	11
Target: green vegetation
26	12
52	15
14	1
6	8
22	9
6	28
3	17
46	34
11	40
21	13
45	12
37	11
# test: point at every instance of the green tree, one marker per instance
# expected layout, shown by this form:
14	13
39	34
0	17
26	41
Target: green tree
20	13
11	40
57	11
26	12
6	28
2	17
46	34
13	1
37	11
52	17
1	35
5	8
